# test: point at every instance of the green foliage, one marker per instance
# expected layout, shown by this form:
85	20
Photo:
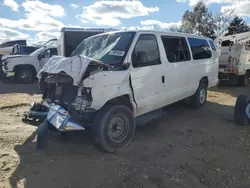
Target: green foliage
199	21
237	25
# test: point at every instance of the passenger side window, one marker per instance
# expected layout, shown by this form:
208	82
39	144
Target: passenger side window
176	49
212	45
200	48
146	51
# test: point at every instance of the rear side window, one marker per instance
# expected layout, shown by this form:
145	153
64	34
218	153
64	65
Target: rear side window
176	49
200	48
212	45
28	50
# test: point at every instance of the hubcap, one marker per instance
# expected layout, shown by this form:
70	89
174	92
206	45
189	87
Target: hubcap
25	76
202	95
118	128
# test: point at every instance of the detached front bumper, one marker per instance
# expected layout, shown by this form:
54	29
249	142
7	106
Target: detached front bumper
59	118
38	111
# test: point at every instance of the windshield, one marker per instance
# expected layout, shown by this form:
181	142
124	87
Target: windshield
108	48
51	42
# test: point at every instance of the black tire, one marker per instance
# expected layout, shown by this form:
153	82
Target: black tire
240	109
103	122
25	76
195	100
243	80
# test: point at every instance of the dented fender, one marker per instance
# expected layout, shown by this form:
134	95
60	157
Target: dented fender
107	85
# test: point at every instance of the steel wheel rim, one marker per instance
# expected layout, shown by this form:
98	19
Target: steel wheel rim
118	128
202	96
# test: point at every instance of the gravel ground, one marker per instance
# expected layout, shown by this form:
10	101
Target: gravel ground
182	148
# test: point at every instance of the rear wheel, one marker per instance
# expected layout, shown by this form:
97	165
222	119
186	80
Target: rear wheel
25	76
243	80
114	127
200	96
240	109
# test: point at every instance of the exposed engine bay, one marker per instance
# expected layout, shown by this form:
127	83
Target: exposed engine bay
60	88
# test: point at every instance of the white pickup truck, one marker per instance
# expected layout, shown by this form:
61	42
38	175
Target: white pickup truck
25	67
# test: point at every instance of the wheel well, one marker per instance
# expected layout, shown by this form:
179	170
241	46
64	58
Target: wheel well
124	100
204	80
19	67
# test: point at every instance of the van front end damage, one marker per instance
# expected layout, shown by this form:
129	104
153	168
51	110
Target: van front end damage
61	83
66	102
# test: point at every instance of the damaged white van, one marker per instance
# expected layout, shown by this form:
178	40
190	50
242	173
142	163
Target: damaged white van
112	78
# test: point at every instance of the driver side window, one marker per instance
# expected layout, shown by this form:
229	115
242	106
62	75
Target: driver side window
146	51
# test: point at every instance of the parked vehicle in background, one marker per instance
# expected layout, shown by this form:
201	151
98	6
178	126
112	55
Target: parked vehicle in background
234	60
21	49
7	47
25	67
71	37
117	76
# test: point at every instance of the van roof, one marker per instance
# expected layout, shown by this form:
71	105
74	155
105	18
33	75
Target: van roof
65	29
163	33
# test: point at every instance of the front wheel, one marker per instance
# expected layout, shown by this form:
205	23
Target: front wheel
25	76
114	127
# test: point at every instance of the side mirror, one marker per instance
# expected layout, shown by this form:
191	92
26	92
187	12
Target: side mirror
41	56
125	65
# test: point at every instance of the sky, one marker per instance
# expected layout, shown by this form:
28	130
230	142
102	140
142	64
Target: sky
42	20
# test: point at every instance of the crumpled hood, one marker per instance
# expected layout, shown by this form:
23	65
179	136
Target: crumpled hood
74	66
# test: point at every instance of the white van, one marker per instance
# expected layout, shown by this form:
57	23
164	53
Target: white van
117	76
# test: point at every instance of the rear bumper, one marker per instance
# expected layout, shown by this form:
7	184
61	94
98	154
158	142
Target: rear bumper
214	83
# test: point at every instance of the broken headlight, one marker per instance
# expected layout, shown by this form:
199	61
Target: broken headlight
83	101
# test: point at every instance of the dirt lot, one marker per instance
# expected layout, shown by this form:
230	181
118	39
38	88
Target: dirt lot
183	148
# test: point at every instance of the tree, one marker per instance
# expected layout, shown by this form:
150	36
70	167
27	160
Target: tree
222	21
199	21
237	25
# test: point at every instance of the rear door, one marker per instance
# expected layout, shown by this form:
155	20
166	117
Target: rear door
147	73
202	64
177	61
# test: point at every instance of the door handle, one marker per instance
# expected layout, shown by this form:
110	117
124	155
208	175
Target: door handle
163	79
